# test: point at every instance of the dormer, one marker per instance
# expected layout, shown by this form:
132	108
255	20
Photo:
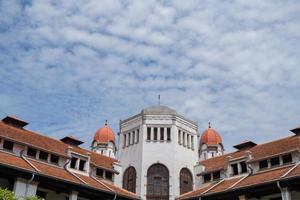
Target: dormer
79	163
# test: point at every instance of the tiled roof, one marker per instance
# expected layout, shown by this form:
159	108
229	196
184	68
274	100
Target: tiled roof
258	152
50	144
59	173
253	180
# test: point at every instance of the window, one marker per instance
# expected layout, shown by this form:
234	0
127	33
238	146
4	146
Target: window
169	134
179	137
43	155
137	135
8	145
158	182
206	177
82	165
234	168
129	138
162	134
216	175
263	164
243	167
73	162
129	179
99	172
31	152
186	181
275	161
149	133
192	139
54	159
133	137
124	145
287	158
108	175
155	134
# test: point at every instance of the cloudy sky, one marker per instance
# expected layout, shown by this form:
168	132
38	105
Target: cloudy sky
66	66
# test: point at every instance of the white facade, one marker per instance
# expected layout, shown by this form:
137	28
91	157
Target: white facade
175	151
107	149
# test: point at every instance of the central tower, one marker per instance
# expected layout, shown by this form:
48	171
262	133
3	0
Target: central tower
158	149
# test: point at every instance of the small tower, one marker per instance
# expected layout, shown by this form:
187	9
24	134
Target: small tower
210	144
104	141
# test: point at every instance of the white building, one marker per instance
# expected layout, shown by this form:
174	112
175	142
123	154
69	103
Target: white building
160	148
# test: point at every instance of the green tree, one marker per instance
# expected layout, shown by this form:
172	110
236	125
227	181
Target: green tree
33	198
6	194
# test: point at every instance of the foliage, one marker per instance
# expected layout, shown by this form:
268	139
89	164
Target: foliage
33	198
6	194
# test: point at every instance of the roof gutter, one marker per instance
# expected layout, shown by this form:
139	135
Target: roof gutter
66	168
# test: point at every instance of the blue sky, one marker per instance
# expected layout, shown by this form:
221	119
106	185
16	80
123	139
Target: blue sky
67	66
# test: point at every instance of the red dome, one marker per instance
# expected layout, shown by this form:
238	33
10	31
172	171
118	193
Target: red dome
210	137
104	134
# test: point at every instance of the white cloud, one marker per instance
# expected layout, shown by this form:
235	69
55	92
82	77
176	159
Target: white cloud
68	66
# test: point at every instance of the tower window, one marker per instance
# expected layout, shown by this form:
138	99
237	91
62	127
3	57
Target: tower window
192	141
137	135
149	133
169	134
162	134
43	155
133	137
188	140
31	152
287	158
124	145
155	134
179	136
129	138
8	145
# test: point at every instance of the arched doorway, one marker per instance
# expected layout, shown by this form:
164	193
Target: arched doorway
129	179
158	182
186	180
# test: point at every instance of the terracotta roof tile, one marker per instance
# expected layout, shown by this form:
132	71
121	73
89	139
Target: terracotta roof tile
224	185
14	161
197	192
50	144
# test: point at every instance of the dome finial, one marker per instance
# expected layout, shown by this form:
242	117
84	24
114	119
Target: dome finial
209	125
106	122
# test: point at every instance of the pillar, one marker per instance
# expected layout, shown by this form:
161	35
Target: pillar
23	188
285	194
73	195
242	197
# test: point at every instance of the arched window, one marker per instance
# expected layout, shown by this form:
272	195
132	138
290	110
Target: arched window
158	182
186	181
129	179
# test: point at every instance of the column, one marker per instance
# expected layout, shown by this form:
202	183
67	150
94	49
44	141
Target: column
242	197
158	133
73	195
23	188
152	133
285	194
165	133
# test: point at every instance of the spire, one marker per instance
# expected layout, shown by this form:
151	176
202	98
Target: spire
159	99
106	123
209	125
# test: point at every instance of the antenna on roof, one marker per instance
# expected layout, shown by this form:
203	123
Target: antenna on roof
159	99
